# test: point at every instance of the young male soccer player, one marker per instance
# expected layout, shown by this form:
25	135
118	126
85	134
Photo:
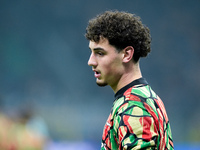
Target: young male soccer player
138	119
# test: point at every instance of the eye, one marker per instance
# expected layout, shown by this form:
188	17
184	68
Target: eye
100	53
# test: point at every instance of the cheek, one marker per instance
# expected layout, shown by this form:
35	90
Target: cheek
114	67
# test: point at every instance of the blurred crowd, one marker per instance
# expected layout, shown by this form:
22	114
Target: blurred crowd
22	131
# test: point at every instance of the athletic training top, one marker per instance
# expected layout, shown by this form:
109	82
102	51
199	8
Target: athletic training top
138	120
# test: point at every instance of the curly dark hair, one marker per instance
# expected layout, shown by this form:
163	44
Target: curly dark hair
122	29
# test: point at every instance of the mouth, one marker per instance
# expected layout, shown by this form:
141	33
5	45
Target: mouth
97	74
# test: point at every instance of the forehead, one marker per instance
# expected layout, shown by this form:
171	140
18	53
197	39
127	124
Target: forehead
103	44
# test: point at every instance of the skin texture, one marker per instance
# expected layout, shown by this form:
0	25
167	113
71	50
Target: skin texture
112	67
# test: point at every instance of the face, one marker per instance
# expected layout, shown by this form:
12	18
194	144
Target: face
106	63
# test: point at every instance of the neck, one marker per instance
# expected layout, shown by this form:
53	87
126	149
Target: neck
131	73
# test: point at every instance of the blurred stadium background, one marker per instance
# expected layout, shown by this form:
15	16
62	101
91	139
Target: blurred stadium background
43	67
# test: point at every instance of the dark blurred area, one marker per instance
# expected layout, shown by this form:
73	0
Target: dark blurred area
43	64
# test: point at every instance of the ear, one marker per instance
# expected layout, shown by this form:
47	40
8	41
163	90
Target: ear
128	54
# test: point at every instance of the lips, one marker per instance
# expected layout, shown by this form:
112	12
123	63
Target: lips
96	74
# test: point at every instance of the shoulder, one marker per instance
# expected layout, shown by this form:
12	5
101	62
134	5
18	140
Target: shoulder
138	97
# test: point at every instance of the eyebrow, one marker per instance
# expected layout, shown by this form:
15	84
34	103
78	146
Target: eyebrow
98	48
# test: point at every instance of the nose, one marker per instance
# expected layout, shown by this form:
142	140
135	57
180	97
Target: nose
92	61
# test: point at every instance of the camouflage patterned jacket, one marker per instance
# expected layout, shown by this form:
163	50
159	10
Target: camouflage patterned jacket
138	120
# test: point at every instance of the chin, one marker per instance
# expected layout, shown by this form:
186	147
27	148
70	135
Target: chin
101	84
